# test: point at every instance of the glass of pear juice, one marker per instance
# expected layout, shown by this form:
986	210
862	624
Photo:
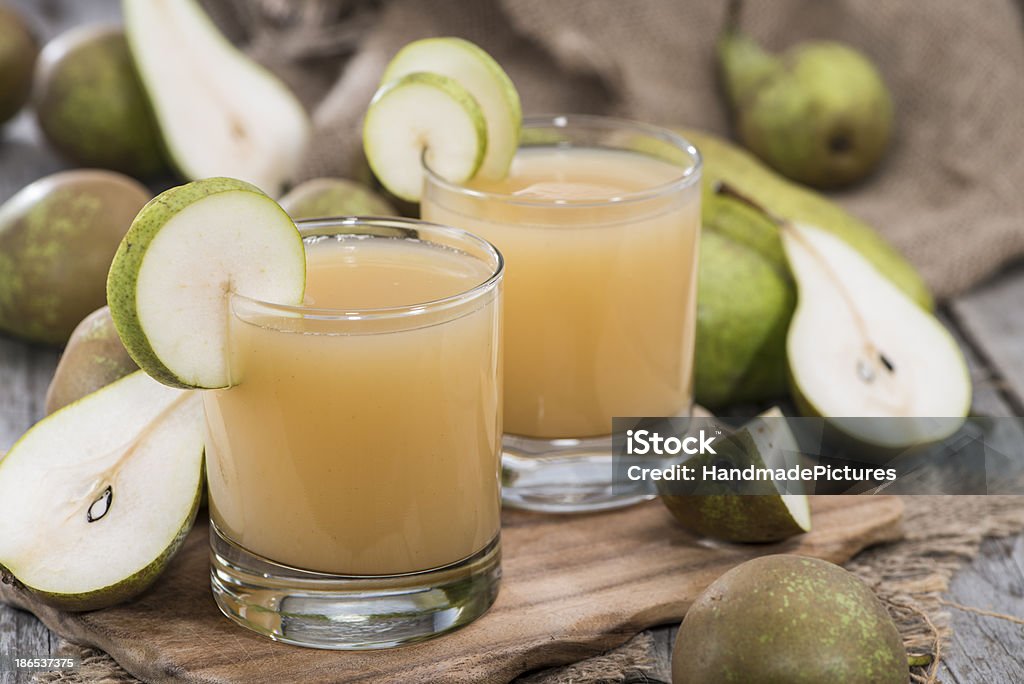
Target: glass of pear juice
354	462
599	221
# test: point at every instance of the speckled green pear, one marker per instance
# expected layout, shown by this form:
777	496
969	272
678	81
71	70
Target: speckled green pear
57	238
90	104
93	358
787	618
18	52
743	309
324	197
99	496
819	114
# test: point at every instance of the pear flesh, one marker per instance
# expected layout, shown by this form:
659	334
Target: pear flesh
859	348
219	113
100	495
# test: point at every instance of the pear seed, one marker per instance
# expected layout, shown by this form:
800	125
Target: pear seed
106	498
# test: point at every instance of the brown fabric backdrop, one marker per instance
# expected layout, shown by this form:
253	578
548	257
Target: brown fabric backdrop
950	193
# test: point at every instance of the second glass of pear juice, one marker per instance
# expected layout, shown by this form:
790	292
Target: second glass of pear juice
599	220
354	463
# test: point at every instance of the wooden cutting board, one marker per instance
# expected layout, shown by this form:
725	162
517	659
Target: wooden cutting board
573	587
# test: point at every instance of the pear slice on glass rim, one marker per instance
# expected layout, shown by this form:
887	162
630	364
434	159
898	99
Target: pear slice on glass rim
476	71
423	118
188	250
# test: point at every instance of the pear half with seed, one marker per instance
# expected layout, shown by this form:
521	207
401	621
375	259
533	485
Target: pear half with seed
862	354
99	496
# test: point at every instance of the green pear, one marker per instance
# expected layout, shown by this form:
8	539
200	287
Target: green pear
58	237
787	618
744	305
99	496
90	104
731	328
18	52
763	513
819	114
93	358
860	352
323	197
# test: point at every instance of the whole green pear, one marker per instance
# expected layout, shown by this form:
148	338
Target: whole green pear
18	52
744	305
58	237
820	113
323	197
787	618
93	358
91	106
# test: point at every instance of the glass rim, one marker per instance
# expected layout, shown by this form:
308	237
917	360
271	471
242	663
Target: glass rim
313	227
690	174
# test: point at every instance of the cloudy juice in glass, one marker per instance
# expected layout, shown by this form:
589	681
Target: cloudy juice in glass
353	464
599	223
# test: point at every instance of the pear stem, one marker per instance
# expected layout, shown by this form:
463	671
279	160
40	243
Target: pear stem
874	355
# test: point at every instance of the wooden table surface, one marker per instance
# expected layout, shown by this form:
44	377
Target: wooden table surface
989	321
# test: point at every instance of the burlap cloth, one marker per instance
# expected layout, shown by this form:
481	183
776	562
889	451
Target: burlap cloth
950	193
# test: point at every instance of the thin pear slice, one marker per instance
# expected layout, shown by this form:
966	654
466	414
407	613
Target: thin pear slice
766	512
99	496
185	254
486	81
860	349
219	113
423	118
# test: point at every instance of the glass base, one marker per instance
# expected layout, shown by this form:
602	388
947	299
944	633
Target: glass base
320	610
564	476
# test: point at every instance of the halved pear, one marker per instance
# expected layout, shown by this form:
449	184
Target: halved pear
219	113
859	349
185	254
99	496
423	118
476	71
766	511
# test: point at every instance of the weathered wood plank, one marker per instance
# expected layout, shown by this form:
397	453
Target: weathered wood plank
986	649
22	636
992	319
24	375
